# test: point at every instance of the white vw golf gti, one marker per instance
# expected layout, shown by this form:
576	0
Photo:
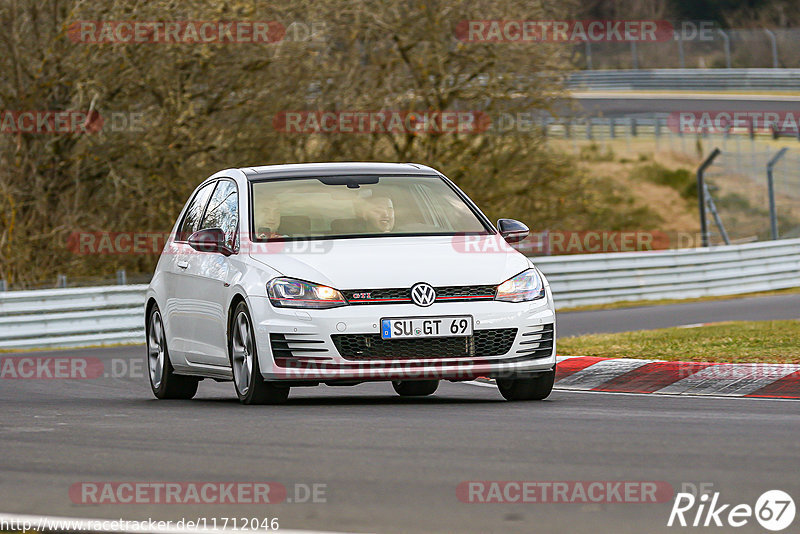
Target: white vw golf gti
341	273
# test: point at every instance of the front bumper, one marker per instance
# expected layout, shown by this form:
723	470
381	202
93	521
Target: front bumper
297	345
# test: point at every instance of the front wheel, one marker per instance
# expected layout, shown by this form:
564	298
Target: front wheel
523	389
251	388
163	380
415	388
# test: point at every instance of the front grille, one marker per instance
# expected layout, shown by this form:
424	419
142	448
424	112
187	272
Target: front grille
402	295
373	347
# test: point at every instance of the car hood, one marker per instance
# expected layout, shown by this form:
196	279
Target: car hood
371	263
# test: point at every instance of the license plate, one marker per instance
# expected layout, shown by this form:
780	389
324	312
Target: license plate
408	327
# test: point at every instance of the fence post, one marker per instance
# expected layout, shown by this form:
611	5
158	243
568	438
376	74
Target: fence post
61	280
122	277
727	48
774	43
701	195
773	215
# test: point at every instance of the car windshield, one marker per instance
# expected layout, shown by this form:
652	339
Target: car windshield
344	206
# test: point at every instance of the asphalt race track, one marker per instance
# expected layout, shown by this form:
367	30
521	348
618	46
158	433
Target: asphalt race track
389	464
663	316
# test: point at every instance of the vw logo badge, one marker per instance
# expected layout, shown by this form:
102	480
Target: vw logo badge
422	294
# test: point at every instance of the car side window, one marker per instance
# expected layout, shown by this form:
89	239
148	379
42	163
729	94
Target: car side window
223	211
191	221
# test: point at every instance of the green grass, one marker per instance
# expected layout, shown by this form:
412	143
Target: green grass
732	342
659	302
683	181
594	152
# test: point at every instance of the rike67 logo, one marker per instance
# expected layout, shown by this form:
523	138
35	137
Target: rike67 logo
773	510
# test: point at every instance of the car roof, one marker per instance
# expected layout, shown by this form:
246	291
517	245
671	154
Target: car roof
298	170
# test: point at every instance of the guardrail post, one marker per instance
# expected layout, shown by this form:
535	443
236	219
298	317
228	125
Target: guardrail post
3	285
61	280
680	53
589	128
701	194
612	127
773	215
657	126
567	128
774	43
122	277
633	126
727	48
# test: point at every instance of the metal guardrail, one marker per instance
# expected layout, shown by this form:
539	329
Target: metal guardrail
80	317
684	273
686	79
74	317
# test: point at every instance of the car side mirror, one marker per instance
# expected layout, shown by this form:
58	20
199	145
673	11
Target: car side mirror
511	230
210	240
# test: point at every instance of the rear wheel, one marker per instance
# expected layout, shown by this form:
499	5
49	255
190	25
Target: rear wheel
251	388
163	380
521	389
415	388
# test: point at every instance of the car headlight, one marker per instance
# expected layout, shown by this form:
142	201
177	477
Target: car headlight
292	293
527	285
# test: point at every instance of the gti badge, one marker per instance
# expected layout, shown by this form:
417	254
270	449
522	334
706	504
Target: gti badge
422	294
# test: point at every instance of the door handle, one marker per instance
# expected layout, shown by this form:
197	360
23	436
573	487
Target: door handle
183	264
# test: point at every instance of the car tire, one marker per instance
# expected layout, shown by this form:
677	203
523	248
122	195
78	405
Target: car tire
415	388
251	388
163	380
525	389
